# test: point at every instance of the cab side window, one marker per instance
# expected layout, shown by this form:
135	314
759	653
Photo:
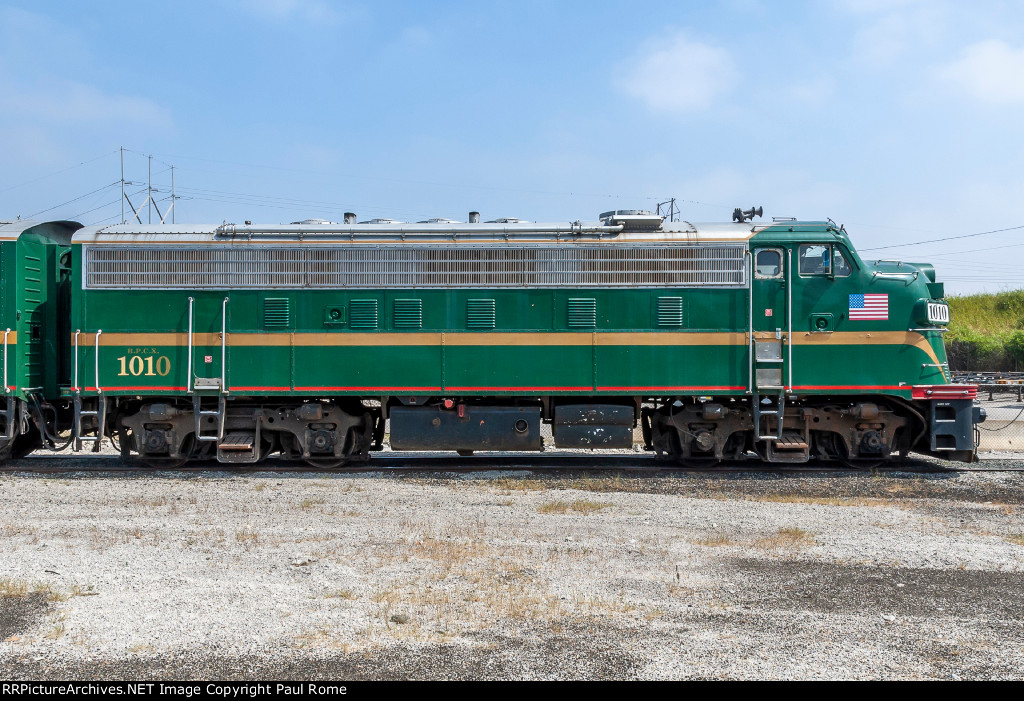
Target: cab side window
842	268
816	259
768	263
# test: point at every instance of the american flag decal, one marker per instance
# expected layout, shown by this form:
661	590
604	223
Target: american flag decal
872	307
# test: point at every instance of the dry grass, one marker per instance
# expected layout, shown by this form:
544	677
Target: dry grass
308	504
248	537
825	501
346	594
449	552
790	538
9	530
580	506
507	485
55	632
603	484
786	539
714	541
1016	538
518	484
17	588
14	587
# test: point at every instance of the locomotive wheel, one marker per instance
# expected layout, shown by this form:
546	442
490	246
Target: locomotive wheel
161	463
156	462
26	442
840	453
861	463
330	463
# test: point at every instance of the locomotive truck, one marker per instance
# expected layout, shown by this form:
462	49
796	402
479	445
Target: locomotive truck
314	341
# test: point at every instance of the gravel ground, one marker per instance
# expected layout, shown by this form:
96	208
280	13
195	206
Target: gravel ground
513	574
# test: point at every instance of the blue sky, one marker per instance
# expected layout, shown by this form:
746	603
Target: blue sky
900	119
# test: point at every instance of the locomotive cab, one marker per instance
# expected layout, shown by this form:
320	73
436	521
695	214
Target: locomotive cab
882	324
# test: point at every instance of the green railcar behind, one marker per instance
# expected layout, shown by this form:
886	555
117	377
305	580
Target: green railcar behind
34	298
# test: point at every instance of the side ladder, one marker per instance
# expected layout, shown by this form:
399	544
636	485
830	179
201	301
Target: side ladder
204	432
100	412
10	418
776	408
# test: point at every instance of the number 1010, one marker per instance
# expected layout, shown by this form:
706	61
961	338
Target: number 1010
144	365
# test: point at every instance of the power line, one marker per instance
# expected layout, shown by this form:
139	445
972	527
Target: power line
88	194
947	238
58	172
108	204
102	206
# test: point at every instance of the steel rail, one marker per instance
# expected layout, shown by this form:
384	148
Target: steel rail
556	464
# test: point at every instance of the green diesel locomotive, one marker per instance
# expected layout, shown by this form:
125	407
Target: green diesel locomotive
315	341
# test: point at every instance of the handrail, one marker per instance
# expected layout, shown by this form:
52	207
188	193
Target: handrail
896	275
188	379
789	317
97	358
426	231
224	347
750	321
77	387
8	331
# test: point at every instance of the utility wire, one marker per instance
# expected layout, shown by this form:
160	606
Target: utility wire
947	238
88	194
58	172
108	204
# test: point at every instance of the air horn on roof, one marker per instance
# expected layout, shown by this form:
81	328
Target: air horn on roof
741	215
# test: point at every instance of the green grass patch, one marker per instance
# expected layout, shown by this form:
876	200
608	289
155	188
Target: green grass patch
986	332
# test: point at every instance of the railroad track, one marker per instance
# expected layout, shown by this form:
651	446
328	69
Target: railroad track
551	464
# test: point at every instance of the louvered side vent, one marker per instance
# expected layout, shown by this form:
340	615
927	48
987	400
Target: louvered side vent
362	314
582	313
408	313
670	312
410	266
480	314
276	313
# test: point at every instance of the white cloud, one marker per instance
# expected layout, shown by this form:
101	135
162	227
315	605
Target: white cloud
989	70
66	102
890	30
678	74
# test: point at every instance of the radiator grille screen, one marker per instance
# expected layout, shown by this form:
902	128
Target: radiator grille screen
670	311
366	267
363	313
582	313
408	313
480	314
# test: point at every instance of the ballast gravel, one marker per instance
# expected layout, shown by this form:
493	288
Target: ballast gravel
512	574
